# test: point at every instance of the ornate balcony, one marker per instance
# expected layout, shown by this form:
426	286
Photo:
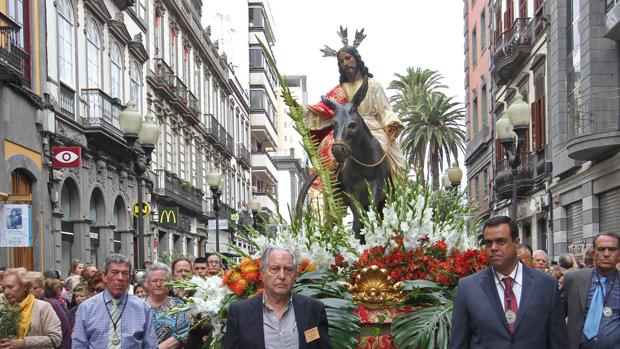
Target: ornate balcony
594	126
212	127
101	121
14	62
525	176
221	140
163	78
243	154
181	95
194	105
230	145
178	192
512	49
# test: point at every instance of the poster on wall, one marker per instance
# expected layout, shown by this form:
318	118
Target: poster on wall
15	225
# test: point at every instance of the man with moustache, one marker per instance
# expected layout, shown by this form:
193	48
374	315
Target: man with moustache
507	305
278	318
114	319
541	260
592	298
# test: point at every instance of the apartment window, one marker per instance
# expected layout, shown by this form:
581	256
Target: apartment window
170	148
185	67
139	8
474	116
206	99
485	183
523	8
498	24
158	34
116	72
256	58
203	169
173	50
508	15
16	13
135	84
474	51
197	80
93	55
483	30
256	17
483	105
65	42
477	189
182	158
194	168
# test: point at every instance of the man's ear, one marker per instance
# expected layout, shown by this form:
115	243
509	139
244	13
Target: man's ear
518	241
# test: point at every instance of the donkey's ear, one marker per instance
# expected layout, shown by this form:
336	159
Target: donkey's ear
333	105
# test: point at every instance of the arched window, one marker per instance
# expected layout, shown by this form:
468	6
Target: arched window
65	42
93	45
116	77
134	86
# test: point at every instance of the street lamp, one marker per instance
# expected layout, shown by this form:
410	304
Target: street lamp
130	122
514	122
454	175
214	179
255	207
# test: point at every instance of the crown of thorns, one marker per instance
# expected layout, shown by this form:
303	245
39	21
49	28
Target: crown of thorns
344	37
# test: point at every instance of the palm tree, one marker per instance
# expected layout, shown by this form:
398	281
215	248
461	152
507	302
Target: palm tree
432	121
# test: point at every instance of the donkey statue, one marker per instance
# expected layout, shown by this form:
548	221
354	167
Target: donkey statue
362	162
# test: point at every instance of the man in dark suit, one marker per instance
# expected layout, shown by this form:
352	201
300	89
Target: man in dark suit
592	298
278	318
507	305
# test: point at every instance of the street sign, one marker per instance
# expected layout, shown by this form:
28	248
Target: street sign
234	216
169	217
146	209
66	157
223	224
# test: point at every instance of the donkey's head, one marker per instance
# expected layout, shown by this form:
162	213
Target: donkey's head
349	127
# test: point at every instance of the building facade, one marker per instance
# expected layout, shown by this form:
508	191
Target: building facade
584	121
478	102
263	112
519	65
24	112
155	55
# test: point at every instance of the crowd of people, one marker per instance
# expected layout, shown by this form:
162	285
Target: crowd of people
85	309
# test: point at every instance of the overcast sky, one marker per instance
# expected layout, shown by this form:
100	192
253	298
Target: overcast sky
400	34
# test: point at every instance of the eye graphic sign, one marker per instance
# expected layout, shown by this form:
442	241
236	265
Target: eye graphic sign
66	157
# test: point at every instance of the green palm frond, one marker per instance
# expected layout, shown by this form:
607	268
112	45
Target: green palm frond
333	203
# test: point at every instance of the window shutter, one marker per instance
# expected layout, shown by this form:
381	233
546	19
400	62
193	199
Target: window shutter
523	8
535	126
541	119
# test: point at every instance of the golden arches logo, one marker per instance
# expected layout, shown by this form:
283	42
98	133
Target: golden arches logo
168	216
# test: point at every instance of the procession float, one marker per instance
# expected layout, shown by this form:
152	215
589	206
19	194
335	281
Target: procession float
387	282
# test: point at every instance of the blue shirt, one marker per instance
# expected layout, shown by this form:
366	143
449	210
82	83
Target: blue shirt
93	323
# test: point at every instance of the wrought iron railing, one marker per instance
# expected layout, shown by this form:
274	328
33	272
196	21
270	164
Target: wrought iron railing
213	127
9	37
66	99
163	73
230	144
181	91
101	108
194	103
243	154
520	34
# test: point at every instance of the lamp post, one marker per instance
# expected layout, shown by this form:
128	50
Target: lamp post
514	122
214	179
453	176
255	207
130	122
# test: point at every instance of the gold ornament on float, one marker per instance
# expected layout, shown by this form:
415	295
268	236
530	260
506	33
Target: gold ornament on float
374	288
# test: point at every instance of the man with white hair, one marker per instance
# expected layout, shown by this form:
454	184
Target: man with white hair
278	318
541	260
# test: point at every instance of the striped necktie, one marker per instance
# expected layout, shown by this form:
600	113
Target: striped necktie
114	333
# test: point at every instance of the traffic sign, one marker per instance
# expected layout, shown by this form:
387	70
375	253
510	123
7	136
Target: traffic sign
66	157
146	209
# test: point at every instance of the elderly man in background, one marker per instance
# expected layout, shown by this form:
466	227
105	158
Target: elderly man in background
114	319
278	318
541	260
592	298
38	326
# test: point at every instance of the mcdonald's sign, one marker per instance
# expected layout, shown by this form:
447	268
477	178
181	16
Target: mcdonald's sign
169	217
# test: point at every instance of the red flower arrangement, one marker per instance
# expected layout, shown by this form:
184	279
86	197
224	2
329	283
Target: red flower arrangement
428	261
244	280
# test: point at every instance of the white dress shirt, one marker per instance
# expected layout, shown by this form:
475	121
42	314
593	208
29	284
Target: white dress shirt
517	276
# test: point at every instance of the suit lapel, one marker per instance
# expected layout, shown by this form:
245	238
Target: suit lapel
490	289
527	289
301	319
583	288
256	320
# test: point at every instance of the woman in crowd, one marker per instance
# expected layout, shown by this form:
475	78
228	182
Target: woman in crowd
138	291
74	274
96	284
171	330
80	294
181	269
38	326
39	287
